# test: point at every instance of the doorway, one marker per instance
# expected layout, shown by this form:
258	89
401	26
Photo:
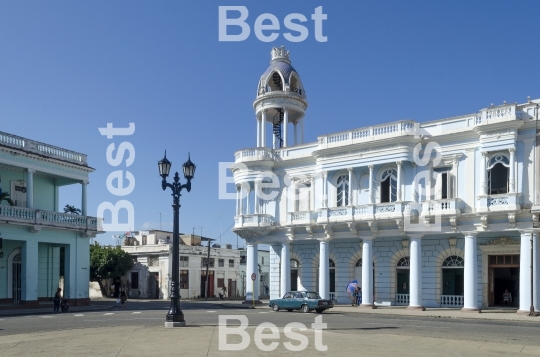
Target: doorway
210	283
17	279
503	275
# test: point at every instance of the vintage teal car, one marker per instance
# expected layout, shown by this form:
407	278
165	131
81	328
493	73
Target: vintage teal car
301	300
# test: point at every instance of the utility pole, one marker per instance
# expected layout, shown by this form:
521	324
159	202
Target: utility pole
207	265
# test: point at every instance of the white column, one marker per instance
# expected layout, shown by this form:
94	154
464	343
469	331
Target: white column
302	131
285	125
350	198
263	128
324	269
296	133
429	183
367	273
512	170
237	200
252	267
470	286
455	174
415	272
536	272
370	189
241	201
285	269
248	190
325	189
256	198
483	174
312	193
258	132
30	188
398	164
414	184
525	272
83	198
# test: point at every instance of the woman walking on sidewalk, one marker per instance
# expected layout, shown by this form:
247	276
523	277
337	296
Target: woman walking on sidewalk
123	296
56	300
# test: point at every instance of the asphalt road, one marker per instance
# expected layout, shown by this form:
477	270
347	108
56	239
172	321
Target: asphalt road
207	314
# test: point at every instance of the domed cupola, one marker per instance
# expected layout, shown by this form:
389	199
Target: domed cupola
281	100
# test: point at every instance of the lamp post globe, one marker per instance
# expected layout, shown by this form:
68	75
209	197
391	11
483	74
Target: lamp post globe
175	316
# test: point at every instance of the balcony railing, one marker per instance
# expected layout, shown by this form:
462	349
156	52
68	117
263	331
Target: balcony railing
372	133
42	149
447	206
500	202
41	218
253	220
402	300
390	210
304	217
451	300
255	154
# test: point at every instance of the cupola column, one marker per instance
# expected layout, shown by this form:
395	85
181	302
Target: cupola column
296	133
258	133
285	124
263	128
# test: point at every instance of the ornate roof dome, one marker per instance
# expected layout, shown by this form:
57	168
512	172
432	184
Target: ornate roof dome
280	75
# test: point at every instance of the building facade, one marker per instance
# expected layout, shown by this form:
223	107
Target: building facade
40	247
150	275
440	213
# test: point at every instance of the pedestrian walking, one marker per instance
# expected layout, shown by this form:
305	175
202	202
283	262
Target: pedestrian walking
123	296
354	296
359	297
56	300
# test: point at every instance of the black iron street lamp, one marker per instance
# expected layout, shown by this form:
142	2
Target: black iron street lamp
175	316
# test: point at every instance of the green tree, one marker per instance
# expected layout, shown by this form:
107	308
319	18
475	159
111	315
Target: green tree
72	210
108	262
4	196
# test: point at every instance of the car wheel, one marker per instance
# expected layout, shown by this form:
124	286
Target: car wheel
319	311
305	308
275	307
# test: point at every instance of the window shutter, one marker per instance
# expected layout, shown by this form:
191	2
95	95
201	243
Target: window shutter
438	186
450	185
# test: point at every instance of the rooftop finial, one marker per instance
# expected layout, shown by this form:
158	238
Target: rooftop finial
280	54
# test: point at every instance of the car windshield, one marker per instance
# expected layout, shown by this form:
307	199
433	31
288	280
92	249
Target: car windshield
313	296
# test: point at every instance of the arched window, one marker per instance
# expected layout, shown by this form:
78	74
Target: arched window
389	186
404	263
402	280
453	261
498	172
275	82
331	263
342	198
295	264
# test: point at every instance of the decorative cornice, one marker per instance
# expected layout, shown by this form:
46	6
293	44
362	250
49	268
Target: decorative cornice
361	152
502	240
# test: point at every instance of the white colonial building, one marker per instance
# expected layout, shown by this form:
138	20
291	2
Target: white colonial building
150	275
440	213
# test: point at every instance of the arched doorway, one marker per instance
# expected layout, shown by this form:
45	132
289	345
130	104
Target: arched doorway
402	281
16	278
294	274
452	281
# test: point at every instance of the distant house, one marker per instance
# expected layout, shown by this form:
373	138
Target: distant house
42	248
150	275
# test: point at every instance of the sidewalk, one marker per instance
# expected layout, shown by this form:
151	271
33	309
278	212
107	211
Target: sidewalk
95	306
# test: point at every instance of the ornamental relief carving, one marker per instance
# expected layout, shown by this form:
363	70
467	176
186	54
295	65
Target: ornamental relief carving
503	240
251	233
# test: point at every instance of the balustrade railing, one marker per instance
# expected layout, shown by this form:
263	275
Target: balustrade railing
50	218
253	220
402	300
400	128
452	300
41	148
443	206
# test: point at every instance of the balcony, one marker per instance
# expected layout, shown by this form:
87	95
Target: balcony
38	219
255	154
302	218
253	220
498	203
379	211
443	207
368	134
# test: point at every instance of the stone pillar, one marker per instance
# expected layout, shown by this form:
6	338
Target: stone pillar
258	132
470	284
83	198
302	131
312	194
367	274
285	278
248	190
415	297
414	196
263	128
536	272
455	178
512	180
325	189
398	193
252	267
350	193
525	272
296	133
237	200
285	125
29	272
30	188
483	174
324	269
241	201
370	188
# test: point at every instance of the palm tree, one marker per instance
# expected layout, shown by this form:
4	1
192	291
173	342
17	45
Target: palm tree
4	196
72	210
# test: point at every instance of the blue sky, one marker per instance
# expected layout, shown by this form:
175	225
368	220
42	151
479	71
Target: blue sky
68	68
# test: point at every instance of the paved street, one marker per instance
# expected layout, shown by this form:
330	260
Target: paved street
118	333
